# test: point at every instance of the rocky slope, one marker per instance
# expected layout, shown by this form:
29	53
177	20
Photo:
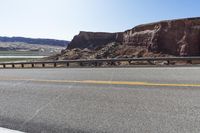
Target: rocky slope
172	37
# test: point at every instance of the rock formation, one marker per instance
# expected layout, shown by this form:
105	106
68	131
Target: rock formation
92	40
176	37
173	37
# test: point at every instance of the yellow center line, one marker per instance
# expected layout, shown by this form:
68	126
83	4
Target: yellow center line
131	83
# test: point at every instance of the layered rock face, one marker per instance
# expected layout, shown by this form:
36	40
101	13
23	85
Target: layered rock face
174	37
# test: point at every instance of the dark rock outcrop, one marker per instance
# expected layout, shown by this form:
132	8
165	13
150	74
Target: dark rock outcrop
92	40
172	37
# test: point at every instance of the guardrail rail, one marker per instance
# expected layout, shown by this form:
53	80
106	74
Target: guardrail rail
97	62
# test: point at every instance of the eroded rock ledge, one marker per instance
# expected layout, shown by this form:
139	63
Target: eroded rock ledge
176	37
94	40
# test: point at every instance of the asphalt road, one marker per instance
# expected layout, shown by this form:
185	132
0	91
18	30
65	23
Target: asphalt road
102	100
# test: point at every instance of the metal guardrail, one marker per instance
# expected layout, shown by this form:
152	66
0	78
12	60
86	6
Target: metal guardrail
96	62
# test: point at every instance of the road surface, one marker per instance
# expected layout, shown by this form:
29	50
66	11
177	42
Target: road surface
101	100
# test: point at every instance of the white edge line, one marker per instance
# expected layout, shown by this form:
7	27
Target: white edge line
5	130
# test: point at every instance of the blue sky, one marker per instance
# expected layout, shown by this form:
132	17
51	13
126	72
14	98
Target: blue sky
62	19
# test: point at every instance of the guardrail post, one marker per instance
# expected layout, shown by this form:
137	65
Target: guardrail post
168	62
4	65
67	64
150	62
189	61
22	65
81	63
96	64
55	65
112	63
13	65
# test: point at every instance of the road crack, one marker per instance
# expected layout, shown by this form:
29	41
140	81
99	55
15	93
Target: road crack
42	108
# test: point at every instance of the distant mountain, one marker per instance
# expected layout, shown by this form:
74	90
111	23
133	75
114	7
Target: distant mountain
40	41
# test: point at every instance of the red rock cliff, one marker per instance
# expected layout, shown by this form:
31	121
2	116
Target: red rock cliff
176	37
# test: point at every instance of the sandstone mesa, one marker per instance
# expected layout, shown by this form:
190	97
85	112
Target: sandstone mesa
180	37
